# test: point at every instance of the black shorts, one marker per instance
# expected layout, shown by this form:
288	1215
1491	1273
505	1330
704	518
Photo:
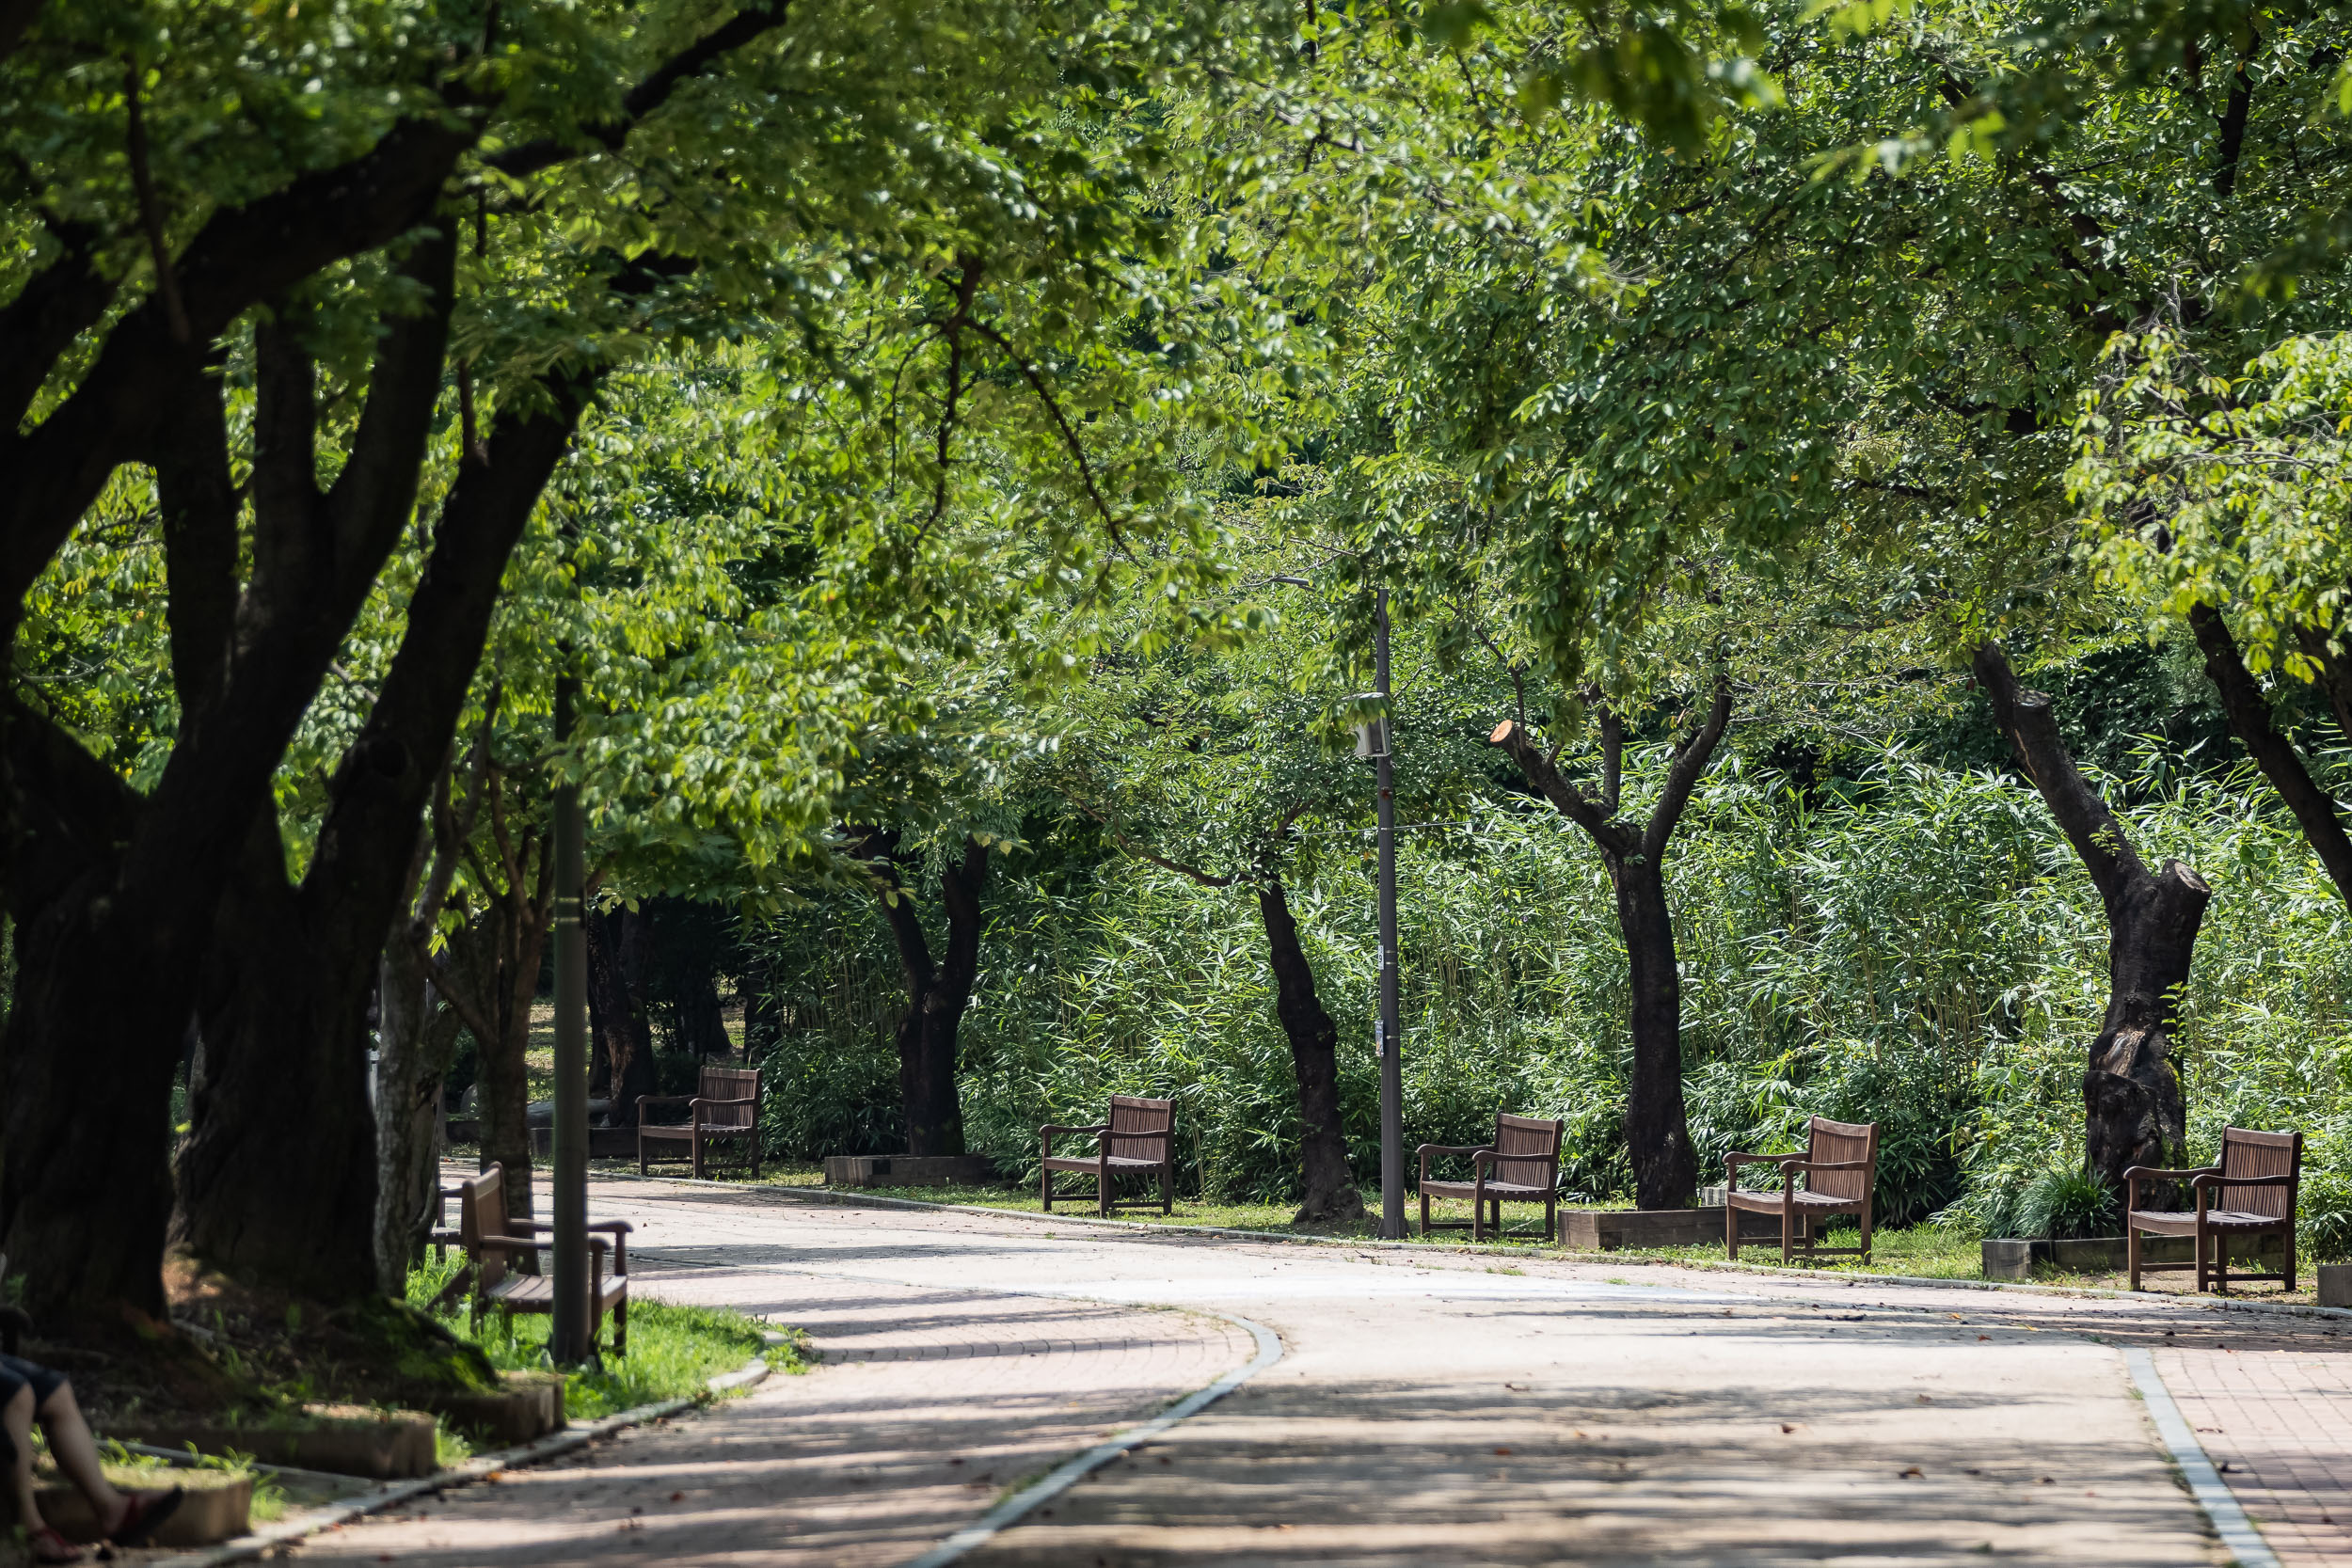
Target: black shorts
16	1372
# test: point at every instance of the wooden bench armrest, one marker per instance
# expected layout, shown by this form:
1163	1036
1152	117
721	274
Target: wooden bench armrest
1427	1150
2150	1173
1048	1132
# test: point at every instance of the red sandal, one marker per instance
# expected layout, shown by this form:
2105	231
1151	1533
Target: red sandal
49	1546
142	1513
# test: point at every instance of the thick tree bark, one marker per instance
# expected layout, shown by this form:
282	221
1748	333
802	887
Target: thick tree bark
1330	1194
937	993
1656	1128
418	1039
143	902
2132	1109
2249	710
616	997
289	1023
277	1178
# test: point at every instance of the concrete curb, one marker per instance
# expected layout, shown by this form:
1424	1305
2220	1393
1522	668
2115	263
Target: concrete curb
2244	1543
1635	1260
311	1521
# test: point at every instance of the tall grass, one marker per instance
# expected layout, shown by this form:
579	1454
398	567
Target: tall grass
1915	945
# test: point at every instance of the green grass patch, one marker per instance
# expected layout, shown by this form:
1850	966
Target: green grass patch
673	1352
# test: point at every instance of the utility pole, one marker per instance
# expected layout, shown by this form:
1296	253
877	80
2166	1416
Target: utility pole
567	1341
1392	1041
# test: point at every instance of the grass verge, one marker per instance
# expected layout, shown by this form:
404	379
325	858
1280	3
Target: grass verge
673	1353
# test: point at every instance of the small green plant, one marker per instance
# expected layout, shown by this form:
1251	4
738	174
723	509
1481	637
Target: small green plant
2065	1205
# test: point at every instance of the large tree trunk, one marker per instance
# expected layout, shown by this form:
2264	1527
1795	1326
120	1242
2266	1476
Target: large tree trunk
2249	710
277	1178
1657	1131
293	1009
937	993
1331	1188
417	1037
616	998
2132	1109
117	926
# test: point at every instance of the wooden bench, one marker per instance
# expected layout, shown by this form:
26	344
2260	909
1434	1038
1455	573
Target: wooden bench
1138	1138
487	1234
2258	1178
1841	1166
1521	1165
725	1107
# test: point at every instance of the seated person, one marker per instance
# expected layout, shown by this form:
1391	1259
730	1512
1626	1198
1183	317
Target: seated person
29	1391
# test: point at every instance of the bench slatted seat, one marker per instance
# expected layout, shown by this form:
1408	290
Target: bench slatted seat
1521	1165
1840	1168
2250	1192
488	1233
723	1108
1138	1138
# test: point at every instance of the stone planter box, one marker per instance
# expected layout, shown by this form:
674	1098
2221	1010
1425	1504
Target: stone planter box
2335	1284
2015	1258
531	1406
218	1507
343	1439
1614	1229
909	1170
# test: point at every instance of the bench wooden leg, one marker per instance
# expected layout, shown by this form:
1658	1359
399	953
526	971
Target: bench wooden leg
698	1153
1788	1225
1046	1188
641	1154
1866	1228
2289	1278
1424	1216
1731	1229
1550	1209
2131	1251
1167	1188
1102	1191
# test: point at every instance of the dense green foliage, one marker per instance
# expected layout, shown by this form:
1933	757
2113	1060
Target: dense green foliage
1911	944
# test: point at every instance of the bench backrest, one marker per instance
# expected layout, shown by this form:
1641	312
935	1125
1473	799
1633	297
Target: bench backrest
1840	1143
730	1083
1527	1151
2248	1153
1132	1115
482	1212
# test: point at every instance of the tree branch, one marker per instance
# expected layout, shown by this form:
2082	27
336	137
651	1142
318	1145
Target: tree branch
1690	764
743	27
2248	711
2030	722
1565	798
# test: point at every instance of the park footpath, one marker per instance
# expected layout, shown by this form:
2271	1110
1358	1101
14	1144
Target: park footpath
1427	1407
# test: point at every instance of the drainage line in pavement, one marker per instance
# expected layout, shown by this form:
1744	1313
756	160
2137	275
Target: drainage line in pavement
2244	1541
1012	1509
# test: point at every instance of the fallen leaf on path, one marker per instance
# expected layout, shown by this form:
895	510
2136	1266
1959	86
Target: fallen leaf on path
1786	1427
677	1497
1914	1473
1502	1450
1983	1337
1924	1400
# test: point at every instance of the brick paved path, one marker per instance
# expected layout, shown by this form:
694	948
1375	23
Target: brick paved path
929	1403
1430	1409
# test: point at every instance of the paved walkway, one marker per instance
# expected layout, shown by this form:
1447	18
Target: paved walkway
1429	1409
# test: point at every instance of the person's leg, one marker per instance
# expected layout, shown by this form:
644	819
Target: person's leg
76	1454
17	1417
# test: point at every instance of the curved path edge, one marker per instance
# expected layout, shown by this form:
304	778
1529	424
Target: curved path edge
1068	1474
286	1531
2239	1537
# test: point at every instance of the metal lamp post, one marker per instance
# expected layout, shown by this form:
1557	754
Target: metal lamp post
1374	744
568	1339
1391	1037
